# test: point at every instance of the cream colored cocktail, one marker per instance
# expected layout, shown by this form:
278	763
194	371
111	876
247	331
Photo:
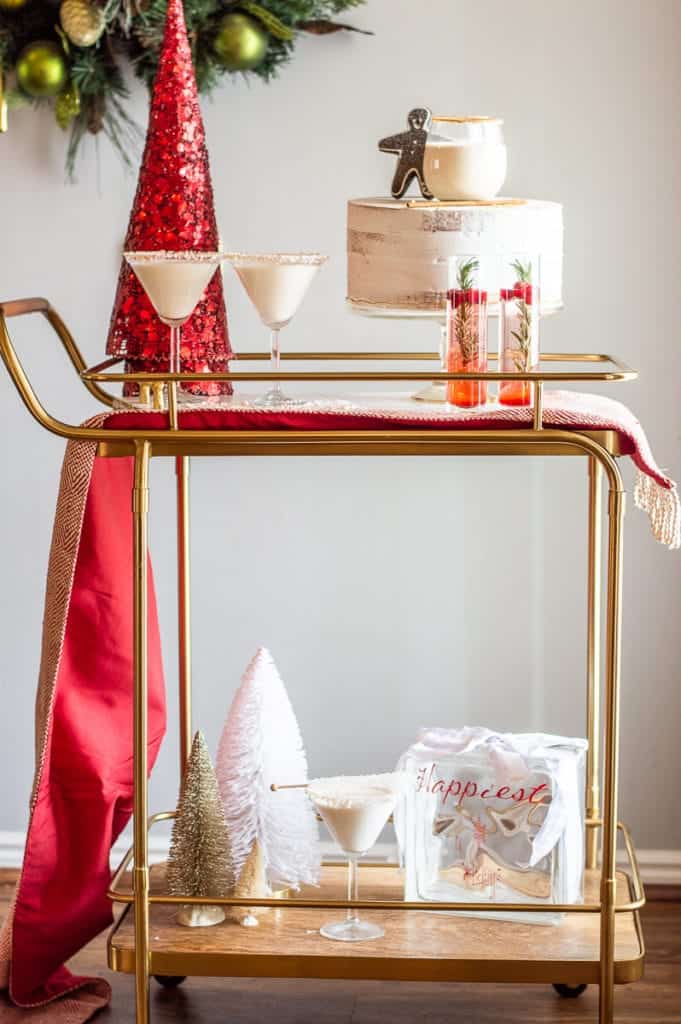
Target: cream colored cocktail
174	283
276	284
355	809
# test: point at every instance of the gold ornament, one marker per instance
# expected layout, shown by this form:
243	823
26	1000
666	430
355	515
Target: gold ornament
200	860
12	5
41	69
241	42
67	105
82	21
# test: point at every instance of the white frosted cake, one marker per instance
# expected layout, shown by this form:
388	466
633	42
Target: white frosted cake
397	252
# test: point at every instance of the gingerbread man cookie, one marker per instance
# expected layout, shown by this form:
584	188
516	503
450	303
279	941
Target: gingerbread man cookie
410	147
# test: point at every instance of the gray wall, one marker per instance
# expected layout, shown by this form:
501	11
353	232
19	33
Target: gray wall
394	593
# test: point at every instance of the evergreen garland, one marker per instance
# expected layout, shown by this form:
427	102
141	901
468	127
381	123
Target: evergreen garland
134	32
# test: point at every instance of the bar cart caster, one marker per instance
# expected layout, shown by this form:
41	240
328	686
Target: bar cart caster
175	980
570	991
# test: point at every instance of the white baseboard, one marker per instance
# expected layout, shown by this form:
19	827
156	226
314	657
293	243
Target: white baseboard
658	867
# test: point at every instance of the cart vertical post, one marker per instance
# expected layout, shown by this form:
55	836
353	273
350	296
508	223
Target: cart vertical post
593	660
616	501
184	610
140	510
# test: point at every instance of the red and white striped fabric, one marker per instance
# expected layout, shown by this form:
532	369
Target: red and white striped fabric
654	492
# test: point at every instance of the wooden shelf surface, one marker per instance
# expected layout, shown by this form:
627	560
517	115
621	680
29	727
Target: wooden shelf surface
418	946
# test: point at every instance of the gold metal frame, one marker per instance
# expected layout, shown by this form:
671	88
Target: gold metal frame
600	449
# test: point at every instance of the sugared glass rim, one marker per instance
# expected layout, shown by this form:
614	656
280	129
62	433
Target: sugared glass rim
176	256
365	789
291	259
473	119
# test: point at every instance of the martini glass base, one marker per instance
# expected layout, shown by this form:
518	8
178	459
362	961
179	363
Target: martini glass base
276	399
352	930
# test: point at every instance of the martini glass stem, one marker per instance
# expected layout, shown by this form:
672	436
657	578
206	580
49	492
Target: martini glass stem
175	342
275	359
353	888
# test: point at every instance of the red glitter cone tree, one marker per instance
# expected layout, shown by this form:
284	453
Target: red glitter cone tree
173	211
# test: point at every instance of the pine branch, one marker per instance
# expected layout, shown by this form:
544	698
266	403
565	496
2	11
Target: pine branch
134	32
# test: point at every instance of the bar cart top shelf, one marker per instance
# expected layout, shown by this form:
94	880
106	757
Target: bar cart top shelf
402	368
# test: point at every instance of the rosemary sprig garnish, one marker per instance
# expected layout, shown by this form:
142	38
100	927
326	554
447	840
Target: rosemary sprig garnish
523	271
521	355
464	325
465	277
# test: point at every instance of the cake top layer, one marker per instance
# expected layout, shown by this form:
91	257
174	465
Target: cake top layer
400	250
414	203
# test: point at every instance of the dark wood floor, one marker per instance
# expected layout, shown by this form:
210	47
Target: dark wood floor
655	1000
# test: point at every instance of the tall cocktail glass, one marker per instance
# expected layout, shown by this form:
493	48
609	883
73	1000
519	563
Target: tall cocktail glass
355	809
174	283
276	284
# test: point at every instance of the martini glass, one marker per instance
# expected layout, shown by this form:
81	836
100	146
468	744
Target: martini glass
276	284
355	809
174	283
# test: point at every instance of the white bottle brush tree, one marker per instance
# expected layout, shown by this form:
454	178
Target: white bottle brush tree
200	860
261	744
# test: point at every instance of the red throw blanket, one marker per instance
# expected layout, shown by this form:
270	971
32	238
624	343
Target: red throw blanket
82	795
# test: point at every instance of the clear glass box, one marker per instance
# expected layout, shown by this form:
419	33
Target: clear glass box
494	818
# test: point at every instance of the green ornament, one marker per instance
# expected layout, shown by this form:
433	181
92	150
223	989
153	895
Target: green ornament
241	42
67	106
41	69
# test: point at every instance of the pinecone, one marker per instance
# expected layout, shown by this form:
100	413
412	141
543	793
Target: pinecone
82	21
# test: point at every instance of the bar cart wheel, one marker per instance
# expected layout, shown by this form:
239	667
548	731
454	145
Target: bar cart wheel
171	980
570	991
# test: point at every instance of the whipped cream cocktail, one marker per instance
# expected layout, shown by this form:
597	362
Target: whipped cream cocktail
276	284
465	158
276	289
464	169
174	283
355	809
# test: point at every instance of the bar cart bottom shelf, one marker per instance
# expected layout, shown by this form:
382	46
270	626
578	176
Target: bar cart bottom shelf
418	946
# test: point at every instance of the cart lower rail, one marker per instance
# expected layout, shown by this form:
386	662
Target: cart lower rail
418	945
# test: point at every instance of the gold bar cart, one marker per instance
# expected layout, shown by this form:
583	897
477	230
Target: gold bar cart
600	941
